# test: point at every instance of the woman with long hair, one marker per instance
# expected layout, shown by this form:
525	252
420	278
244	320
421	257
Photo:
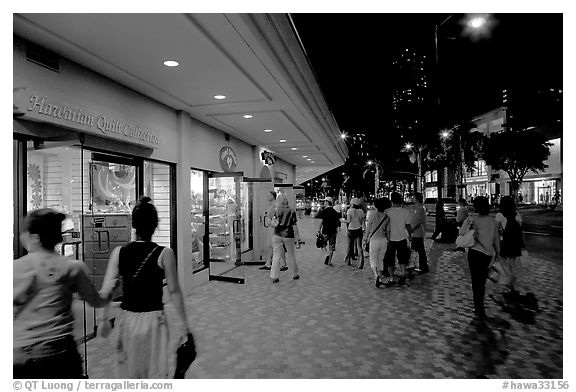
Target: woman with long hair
511	241
141	329
286	236
486	246
44	282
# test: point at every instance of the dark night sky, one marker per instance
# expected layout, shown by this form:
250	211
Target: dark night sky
351	55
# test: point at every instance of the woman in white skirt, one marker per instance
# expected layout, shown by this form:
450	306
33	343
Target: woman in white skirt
141	331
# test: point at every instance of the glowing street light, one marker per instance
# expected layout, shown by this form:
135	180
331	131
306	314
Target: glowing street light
477	22
370	162
408	146
343	136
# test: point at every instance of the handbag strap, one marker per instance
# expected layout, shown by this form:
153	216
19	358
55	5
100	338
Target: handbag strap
377	227
144	262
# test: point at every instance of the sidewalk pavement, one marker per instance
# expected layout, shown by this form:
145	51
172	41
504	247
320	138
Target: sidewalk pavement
333	323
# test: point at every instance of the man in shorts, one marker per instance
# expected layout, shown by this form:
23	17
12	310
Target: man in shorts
400	226
329	228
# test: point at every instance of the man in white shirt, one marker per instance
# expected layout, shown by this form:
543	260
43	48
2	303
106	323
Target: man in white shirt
400	228
269	214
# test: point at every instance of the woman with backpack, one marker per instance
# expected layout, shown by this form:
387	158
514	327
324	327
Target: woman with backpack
511	241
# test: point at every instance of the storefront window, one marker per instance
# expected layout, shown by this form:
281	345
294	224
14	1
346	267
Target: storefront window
54	176
157	186
479	169
197	211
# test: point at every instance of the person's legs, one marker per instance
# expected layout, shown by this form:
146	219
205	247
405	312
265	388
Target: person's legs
291	255
373	256
358	241
331	247
478	263
390	261
403	258
350	251
418	246
278	254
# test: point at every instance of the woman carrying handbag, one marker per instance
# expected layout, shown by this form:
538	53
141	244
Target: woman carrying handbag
486	246
141	328
376	239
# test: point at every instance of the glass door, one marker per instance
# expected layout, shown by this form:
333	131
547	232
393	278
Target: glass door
261	205
227	226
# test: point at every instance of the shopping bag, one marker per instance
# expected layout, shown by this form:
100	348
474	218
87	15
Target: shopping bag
465	240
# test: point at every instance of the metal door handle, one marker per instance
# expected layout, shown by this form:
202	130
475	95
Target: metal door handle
107	241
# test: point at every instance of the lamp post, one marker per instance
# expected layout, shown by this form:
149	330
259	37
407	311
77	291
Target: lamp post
376	176
475	26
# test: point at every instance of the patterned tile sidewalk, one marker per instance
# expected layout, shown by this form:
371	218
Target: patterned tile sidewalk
333	323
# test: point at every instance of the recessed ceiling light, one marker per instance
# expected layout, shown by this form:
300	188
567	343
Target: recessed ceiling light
308	159
171	63
293	148
247	116
304	156
267	130
220	96
311	161
282	140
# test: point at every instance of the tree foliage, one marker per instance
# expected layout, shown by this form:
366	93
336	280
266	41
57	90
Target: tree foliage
516	153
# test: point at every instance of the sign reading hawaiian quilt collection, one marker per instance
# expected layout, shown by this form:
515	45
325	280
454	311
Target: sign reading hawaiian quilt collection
42	108
228	159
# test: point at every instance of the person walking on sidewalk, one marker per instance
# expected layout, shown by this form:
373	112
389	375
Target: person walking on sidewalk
270	249
400	219
486	246
440	220
419	231
355	218
286	236
141	328
44	282
512	242
329	228
377	234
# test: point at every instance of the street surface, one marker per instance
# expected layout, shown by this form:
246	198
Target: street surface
333	323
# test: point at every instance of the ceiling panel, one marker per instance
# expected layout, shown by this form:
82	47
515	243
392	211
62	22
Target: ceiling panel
143	41
283	128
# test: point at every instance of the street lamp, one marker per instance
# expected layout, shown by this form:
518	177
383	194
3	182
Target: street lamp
376	176
475	26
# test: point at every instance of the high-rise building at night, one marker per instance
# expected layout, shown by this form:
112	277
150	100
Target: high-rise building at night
359	147
411	92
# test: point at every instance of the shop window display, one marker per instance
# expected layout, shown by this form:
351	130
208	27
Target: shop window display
197	222
157	185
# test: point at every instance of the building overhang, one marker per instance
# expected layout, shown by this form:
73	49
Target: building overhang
255	60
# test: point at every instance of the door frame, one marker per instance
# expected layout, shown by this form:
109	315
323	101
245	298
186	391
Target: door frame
208	175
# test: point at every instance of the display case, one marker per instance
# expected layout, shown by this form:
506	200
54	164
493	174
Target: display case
198	218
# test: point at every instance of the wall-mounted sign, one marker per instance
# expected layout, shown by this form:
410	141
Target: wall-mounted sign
268	157
228	159
41	108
